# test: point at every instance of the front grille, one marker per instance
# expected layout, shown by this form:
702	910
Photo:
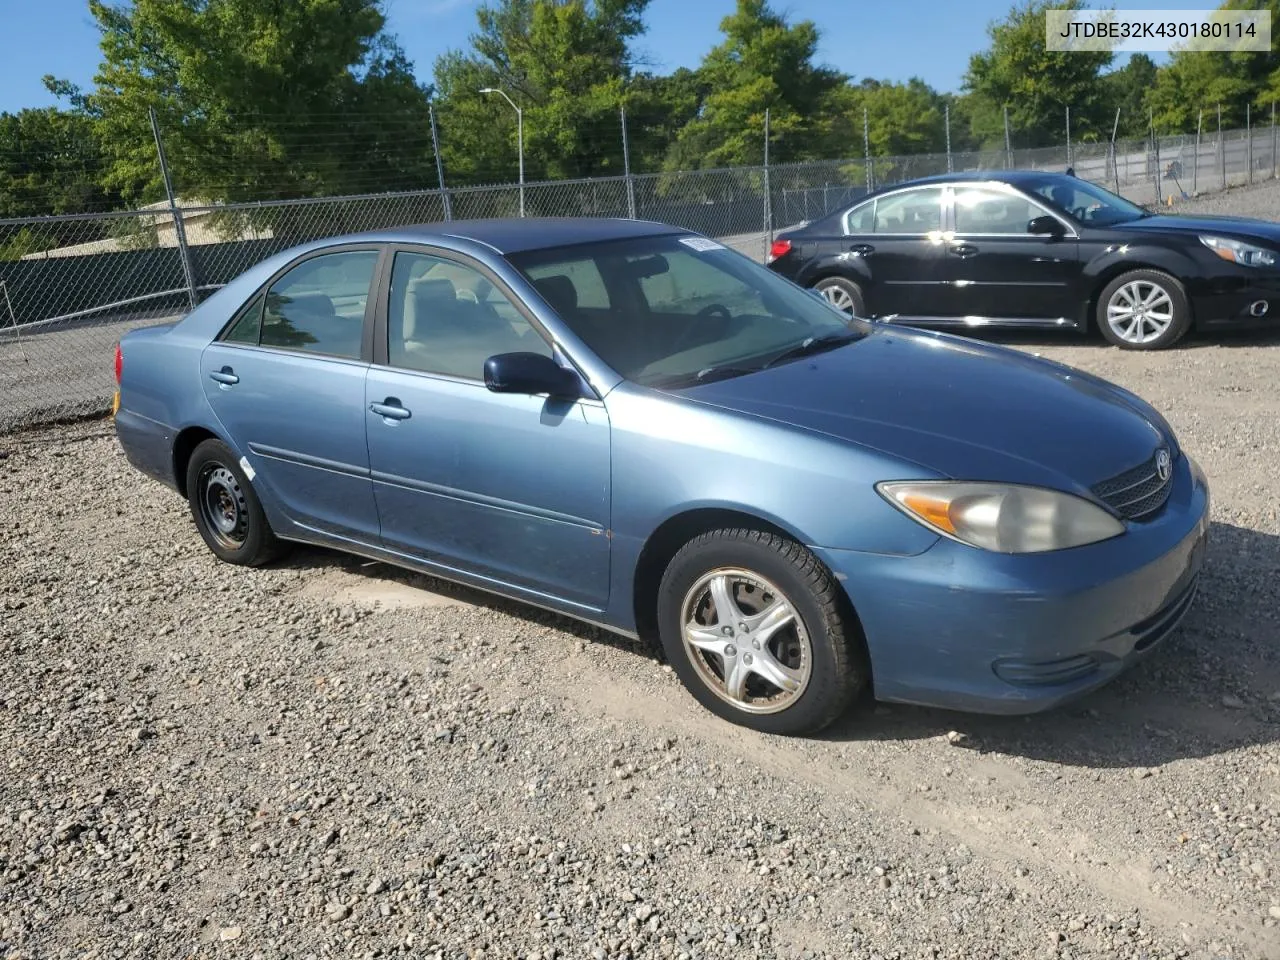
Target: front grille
1137	493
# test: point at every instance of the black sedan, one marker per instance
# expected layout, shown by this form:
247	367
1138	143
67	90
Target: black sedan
1035	249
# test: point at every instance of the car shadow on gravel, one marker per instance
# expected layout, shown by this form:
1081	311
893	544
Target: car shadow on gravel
1211	687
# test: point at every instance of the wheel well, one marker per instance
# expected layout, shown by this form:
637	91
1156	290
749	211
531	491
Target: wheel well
1104	278
665	542
183	446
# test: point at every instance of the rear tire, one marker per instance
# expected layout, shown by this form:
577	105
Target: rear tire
844	295
757	630
225	508
1144	310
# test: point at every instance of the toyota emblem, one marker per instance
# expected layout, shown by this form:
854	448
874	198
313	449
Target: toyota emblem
1163	465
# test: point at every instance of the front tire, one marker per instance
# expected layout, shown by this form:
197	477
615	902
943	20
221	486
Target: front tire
755	627
225	508
1144	310
844	295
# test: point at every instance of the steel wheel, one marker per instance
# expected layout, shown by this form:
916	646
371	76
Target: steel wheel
223	506
839	298
1140	311
746	641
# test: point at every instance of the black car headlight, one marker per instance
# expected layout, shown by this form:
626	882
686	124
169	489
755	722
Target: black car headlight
1237	251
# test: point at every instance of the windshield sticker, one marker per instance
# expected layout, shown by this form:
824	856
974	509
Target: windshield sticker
700	243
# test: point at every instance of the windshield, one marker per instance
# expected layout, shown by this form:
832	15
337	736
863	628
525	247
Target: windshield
666	311
1086	202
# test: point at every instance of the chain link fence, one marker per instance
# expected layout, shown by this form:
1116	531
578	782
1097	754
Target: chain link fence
70	286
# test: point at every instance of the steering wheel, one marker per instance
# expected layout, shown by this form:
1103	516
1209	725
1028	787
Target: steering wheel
710	310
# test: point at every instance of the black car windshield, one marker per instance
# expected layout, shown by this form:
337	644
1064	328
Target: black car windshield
1084	201
676	310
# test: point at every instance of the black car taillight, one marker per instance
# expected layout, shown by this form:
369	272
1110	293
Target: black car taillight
780	248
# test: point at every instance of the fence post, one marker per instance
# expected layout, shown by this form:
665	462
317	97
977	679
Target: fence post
1008	144
1222	150
1155	152
1248	130
946	115
626	168
768	196
1273	139
1115	166
435	148
1068	135
1195	169
179	229
866	150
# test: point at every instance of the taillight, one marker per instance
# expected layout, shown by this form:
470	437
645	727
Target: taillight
119	363
780	248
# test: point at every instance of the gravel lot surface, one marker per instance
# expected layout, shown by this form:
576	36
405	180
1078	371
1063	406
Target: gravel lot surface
330	758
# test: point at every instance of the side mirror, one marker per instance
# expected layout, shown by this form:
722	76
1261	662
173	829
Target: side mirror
1046	226
530	373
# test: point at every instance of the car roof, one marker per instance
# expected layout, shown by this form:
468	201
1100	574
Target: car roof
517	235
980	176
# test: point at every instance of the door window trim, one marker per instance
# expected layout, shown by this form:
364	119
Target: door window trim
367	328
381	329
999	186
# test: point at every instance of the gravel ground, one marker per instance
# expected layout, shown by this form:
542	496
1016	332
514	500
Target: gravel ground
332	758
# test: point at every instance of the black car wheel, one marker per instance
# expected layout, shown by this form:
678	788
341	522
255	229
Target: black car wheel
754	626
225	508
844	295
1144	310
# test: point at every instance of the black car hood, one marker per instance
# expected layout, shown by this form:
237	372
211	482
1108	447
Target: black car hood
1265	230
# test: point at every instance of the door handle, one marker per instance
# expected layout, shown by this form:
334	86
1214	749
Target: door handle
964	250
862	249
390	409
226	376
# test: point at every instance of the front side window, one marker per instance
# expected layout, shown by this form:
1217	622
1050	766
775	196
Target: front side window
983	210
911	211
680	310
318	306
447	317
1085	201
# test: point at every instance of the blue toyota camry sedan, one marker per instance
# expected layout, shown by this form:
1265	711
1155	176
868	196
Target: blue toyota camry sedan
630	424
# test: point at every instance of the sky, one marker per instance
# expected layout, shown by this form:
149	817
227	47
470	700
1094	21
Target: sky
930	39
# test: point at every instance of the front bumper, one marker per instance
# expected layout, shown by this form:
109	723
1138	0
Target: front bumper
965	629
1232	300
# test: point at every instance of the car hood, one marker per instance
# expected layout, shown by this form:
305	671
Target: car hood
1236	226
964	409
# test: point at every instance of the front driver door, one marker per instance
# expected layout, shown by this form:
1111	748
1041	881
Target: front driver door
1002	273
286	381
507	487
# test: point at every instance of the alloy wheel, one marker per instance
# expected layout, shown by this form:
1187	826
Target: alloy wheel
1140	311
839	298
746	641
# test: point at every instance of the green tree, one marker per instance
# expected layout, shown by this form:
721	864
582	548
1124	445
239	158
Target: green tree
1193	81
764	63
566	64
902	118
50	162
1127	90
1035	83
258	99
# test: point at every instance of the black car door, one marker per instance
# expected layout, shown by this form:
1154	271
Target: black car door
1000	272
900	254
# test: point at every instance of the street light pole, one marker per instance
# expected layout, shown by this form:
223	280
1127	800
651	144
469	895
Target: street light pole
519	136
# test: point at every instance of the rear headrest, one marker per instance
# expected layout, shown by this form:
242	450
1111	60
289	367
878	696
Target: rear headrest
316	304
559	291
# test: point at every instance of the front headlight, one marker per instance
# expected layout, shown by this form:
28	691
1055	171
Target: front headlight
1237	251
1005	518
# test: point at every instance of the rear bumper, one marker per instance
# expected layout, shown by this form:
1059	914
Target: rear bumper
147	444
965	629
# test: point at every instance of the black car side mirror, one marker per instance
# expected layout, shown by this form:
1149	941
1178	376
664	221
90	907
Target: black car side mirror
530	373
1046	226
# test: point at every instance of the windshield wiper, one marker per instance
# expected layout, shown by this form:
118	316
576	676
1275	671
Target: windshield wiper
706	375
812	345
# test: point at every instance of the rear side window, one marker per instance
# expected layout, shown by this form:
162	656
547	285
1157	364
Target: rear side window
860	218
317	307
911	211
